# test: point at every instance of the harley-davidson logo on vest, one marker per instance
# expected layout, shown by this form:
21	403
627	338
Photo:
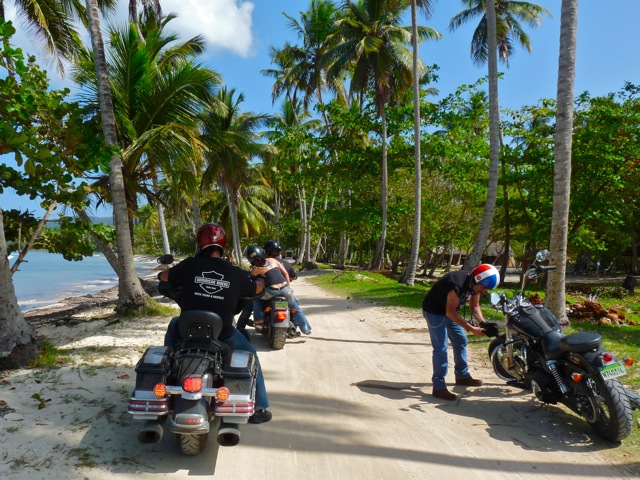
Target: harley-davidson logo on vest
211	282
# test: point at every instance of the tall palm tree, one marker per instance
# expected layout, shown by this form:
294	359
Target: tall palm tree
409	275
372	48
159	91
499	27
130	291
232	140
562	166
152	11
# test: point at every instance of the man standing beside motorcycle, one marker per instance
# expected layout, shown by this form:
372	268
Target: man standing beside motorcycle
440	308
209	282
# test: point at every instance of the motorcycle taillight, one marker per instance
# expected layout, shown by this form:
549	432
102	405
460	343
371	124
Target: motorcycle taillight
281	316
192	384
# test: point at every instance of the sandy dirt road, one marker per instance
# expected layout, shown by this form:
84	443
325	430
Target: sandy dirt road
352	401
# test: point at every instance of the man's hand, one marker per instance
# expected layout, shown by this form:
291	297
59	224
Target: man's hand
477	331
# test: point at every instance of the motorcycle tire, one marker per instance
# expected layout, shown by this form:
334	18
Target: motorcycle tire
192	444
278	338
613	413
496	349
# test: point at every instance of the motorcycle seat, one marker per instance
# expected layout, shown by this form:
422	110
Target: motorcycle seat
580	342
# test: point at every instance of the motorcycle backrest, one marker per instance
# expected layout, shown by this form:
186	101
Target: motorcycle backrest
200	325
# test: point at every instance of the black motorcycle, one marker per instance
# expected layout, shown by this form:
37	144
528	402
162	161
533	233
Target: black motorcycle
198	382
571	369
277	324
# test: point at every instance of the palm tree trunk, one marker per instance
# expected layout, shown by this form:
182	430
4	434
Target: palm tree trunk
556	297
162	224
130	291
235	230
409	275
197	216
494	141
384	182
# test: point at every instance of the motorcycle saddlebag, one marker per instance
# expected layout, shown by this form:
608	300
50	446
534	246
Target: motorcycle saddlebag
534	321
153	367
239	372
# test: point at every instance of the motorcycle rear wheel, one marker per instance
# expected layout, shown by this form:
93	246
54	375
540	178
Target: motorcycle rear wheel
278	338
612	415
192	444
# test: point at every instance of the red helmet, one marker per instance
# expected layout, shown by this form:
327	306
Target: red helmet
211	235
486	275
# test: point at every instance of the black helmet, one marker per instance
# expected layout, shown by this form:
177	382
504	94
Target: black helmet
271	246
255	255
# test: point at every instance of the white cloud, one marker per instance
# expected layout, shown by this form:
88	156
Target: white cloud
226	24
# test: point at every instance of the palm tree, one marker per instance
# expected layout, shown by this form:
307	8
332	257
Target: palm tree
130	291
499	27
372	48
152	10
409	275
159	91
232	141
562	166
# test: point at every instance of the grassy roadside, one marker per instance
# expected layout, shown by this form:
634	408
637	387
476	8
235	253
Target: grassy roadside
623	341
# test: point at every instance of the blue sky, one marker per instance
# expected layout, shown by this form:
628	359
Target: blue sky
239	34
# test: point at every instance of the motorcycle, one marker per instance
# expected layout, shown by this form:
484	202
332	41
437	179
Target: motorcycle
277	324
574	369
194	384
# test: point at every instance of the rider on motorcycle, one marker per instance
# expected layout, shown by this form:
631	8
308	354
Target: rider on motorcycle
277	283
209	282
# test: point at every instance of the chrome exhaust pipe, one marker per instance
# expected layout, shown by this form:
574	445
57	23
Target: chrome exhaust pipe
151	432
634	399
228	435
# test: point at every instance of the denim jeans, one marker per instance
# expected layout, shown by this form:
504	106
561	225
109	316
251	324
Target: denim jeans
237	341
441	329
298	319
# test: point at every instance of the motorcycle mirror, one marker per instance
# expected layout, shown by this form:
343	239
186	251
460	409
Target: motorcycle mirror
542	255
495	298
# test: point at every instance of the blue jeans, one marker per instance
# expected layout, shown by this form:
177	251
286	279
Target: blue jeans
441	329
237	341
298	319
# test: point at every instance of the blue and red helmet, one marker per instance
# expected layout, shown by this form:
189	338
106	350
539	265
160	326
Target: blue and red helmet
486	275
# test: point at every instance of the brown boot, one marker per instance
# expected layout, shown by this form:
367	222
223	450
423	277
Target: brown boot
469	382
444	394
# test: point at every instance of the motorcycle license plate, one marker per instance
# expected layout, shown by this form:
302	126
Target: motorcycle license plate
612	370
282	305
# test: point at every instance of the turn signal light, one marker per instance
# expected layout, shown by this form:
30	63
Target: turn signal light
628	361
223	394
267	309
293	311
607	357
576	377
192	384
160	390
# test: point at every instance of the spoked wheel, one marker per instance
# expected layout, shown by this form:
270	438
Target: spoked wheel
499	360
192	444
605	406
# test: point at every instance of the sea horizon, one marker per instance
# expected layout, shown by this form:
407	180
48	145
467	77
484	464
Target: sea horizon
46	278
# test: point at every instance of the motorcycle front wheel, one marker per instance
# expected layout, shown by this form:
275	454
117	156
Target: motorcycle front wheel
192	444
498	356
606	408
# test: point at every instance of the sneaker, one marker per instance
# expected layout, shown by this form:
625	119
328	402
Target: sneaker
469	382
444	394
261	416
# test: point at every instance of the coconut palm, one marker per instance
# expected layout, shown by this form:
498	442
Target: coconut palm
159	91
373	49
232	140
562	164
497	31
409	274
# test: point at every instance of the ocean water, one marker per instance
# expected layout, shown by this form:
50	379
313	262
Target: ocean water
46	277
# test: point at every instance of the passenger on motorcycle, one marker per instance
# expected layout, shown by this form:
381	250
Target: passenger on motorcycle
209	282
440	308
272	249
277	283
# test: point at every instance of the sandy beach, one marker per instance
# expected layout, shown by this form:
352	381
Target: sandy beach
351	401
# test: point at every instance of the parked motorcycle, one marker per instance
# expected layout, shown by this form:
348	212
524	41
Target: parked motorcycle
572	369
196	383
277	321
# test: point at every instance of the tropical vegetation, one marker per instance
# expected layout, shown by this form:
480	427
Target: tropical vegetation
361	166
